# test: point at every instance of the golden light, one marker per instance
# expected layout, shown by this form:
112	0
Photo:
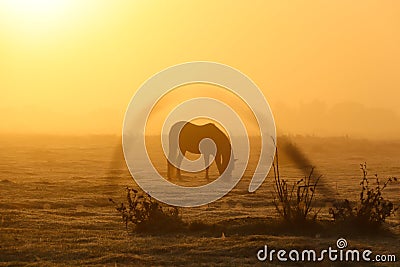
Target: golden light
36	16
38	7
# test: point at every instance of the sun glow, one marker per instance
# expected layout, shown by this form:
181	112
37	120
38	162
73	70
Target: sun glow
36	16
37	7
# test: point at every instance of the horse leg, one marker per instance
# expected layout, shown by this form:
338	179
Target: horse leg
206	163
218	161
179	161
169	169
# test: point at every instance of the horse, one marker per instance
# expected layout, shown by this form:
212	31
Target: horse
190	136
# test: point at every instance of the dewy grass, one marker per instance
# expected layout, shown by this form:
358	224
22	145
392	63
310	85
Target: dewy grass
294	205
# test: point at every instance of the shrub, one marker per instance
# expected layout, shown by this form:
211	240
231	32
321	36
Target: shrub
147	214
294	203
371	210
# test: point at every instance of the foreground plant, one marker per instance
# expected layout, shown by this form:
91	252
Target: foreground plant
371	210
147	214
294	204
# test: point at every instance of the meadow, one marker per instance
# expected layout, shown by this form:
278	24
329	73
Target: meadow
55	209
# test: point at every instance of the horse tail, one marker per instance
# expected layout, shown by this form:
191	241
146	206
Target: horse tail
226	154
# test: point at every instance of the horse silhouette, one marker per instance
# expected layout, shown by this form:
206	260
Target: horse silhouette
190	135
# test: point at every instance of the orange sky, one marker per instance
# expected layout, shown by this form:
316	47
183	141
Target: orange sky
72	66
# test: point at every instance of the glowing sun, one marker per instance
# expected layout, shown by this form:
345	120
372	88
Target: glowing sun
35	8
37	16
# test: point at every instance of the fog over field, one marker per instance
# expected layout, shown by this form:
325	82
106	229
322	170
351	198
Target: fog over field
54	206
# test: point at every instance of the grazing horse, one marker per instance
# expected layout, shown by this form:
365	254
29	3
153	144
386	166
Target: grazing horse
190	136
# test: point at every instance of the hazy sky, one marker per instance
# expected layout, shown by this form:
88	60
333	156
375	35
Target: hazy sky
72	66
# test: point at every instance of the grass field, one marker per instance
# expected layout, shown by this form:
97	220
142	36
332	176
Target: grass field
54	207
